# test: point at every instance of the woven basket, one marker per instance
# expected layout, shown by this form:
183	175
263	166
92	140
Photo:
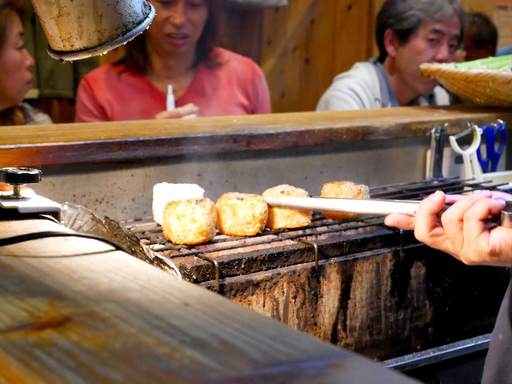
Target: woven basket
481	87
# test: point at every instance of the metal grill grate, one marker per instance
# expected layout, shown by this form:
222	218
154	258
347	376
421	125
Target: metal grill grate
224	250
150	233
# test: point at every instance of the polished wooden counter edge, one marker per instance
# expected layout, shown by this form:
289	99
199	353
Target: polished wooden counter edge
74	310
134	140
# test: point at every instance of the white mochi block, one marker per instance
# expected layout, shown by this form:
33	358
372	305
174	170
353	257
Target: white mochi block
164	193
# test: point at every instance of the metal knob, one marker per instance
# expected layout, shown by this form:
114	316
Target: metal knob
17	177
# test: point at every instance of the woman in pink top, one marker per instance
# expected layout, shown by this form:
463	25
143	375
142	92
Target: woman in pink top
178	50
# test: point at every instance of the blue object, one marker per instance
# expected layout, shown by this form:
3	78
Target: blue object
494	136
507	50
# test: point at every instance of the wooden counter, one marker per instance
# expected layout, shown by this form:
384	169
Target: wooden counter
75	310
111	167
136	140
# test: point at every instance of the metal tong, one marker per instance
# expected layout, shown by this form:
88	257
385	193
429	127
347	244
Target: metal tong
363	206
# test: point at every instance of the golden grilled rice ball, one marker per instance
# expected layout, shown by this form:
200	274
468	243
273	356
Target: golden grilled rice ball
241	214
282	218
190	221
344	189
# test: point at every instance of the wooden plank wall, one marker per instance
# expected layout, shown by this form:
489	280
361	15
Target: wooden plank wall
303	46
487	6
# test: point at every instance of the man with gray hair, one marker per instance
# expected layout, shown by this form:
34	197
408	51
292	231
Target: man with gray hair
408	33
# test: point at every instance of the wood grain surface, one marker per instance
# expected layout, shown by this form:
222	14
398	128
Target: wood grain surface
135	140
305	45
75	310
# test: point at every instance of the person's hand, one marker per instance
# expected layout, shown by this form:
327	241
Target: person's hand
463	230
187	111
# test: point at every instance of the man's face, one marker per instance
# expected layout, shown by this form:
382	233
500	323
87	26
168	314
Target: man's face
434	41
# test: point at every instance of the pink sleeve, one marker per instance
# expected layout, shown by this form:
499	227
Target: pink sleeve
261	92
88	108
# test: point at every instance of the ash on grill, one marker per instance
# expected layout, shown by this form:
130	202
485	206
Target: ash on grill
357	284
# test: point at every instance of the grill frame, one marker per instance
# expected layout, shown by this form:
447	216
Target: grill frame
218	258
415	297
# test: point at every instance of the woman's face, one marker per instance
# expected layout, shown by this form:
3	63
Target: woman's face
16	66
178	25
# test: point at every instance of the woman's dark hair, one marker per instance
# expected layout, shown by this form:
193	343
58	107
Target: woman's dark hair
136	57
9	8
482	31
404	17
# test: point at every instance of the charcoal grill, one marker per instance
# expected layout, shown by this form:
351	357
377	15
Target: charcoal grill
356	284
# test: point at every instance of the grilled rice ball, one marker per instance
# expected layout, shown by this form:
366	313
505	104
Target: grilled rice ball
284	218
241	214
344	189
190	221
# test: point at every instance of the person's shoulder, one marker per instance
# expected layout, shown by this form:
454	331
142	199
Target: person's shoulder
361	78
230	59
364	71
356	88
105	71
223	54
34	116
361	75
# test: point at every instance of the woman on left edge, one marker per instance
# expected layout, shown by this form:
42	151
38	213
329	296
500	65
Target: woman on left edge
15	72
16	69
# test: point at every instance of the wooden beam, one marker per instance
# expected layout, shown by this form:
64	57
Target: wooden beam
136	140
75	310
